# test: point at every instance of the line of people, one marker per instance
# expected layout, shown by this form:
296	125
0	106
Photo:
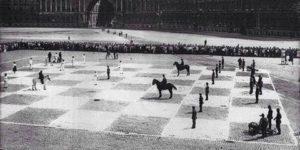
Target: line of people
152	48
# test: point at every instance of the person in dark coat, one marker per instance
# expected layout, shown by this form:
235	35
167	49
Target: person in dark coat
263	123
243	64
182	62
220	65
278	121
206	91
256	95
217	71
49	57
213	77
108	72
260	84
14	67
205	42
252	83
223	62
164	81
59	57
240	63
200	102
194	117
41	77
270	116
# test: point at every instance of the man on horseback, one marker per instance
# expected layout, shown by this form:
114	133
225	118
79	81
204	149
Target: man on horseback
182	62
164	81
41	77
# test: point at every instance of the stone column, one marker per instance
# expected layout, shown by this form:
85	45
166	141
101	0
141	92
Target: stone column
70	5
51	5
46	9
121	5
61	6
41	5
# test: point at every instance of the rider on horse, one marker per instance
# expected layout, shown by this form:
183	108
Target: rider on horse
164	81
41	77
182	62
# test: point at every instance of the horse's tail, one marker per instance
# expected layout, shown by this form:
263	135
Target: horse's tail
173	86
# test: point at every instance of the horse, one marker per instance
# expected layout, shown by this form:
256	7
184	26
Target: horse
160	87
35	80
182	67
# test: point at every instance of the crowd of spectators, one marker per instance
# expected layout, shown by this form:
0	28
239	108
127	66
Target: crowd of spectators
150	48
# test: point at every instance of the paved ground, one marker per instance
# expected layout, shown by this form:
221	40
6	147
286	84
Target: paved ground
76	110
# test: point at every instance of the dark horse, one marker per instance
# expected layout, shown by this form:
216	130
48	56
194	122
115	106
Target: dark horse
182	67
168	86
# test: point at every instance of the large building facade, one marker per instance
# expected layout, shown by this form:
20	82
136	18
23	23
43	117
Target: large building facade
256	17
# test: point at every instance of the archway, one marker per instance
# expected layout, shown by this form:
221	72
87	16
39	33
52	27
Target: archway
103	11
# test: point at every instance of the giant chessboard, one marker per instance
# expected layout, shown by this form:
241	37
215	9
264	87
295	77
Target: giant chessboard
128	103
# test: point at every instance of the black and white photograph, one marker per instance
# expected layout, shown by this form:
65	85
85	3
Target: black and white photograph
150	74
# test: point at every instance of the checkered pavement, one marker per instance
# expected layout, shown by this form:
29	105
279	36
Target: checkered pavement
128	103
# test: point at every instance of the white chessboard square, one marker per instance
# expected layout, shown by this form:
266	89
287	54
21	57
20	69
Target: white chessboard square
143	108
247	115
97	85
60	102
137	80
18	74
85	119
244	93
21	80
214	101
8	109
205	129
152	70
247	79
119	95
218	84
76	77
50	91
135	65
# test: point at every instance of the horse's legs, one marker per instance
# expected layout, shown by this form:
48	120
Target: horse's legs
171	93
159	94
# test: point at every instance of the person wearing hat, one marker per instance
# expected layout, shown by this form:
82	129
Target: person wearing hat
200	102
263	123
223	62
217	70
194	117
182	62
206	91
213	77
270	116
278	120
220	66
164	81
256	94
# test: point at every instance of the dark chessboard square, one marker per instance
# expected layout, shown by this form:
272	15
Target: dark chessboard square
107	63
181	82
73	67
128	69
184	72
63	82
52	75
80	92
21	99
247	85
102	105
87	72
162	66
27	69
213	113
212	91
153	97
112	78
264	75
150	75
220	78
239	132
35	116
139	125
134	87
225	68
250	102
13	87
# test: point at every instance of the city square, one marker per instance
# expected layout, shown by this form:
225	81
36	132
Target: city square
149	74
